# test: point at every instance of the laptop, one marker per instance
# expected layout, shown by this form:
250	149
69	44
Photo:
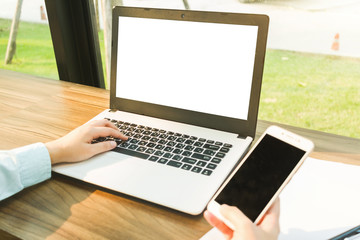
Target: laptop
185	88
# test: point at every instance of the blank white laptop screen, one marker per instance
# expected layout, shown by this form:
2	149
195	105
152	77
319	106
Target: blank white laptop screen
203	67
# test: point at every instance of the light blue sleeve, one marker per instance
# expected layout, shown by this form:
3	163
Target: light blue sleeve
23	167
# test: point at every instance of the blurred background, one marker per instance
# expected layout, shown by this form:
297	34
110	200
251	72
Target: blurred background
312	65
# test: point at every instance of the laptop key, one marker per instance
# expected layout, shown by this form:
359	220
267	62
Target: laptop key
168	149
189	148
201	156
189	160
154	139
159	153
133	146
201	164
101	139
173	149
216	160
177	157
180	140
209	152
162	160
196	169
177	151
212	147
211	166
171	138
186	167
186	153
206	172
198	150
139	130
137	136
131	129
153	158
163	136
171	144
220	155
180	145
129	134
131	153
142	143
155	134
227	145
141	149
174	164
150	151
118	141
151	145
168	155
224	149
124	145
134	141
159	147
146	138
123	127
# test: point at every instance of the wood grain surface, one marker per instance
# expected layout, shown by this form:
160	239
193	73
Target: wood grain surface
35	109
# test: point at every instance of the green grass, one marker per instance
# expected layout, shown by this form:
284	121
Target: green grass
307	90
34	51
312	91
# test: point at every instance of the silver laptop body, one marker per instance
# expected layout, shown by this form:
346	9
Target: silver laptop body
185	85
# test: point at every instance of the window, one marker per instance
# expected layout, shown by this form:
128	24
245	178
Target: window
312	72
34	50
312	67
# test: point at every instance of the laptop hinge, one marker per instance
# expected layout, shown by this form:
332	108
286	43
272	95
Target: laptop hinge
242	137
112	110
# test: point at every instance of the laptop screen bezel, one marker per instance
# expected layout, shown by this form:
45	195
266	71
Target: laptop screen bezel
241	127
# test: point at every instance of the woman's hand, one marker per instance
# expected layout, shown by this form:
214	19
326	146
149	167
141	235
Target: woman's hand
76	145
245	229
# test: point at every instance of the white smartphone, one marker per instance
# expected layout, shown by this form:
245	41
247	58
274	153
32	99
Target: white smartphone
262	174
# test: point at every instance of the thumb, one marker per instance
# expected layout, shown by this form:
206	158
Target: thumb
236	217
102	147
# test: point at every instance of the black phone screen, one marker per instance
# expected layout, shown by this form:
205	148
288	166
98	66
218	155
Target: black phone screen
259	178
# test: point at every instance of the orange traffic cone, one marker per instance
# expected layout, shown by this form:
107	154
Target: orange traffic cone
42	13
336	45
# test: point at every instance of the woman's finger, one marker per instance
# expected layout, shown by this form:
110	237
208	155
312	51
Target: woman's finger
215	222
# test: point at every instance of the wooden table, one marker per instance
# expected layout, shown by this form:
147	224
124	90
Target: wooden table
35	109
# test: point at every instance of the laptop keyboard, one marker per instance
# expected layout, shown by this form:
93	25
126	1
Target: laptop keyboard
182	151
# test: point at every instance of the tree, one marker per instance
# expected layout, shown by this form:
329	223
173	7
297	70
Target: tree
186	5
11	48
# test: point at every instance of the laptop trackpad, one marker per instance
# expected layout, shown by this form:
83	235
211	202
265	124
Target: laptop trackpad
131	176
